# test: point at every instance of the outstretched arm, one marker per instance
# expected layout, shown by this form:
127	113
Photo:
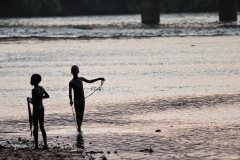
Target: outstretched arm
93	80
70	94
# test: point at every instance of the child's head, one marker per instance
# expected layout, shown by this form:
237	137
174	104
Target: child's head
74	70
35	79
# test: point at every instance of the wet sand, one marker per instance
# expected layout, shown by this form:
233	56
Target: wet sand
182	113
188	128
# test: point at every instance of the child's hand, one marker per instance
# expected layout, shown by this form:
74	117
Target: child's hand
71	103
29	99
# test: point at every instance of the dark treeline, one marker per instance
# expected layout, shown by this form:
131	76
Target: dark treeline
30	8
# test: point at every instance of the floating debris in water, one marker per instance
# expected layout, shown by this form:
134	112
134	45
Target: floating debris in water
95	152
147	150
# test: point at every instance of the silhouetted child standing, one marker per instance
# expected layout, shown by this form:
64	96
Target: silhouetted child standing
38	93
79	98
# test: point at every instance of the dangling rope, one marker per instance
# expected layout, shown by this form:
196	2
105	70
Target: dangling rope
96	89
74	118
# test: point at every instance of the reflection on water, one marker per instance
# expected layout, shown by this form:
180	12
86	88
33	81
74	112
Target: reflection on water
187	88
134	69
80	141
107	20
117	26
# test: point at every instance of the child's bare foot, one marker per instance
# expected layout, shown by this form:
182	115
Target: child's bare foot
45	147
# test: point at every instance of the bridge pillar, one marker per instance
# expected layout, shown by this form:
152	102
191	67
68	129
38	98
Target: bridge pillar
150	11
227	10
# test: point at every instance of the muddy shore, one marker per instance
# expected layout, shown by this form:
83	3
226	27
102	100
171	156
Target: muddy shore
192	129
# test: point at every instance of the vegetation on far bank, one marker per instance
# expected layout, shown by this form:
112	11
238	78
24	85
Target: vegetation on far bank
30	8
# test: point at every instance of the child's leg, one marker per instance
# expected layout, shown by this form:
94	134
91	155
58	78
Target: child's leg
35	129
79	109
41	123
82	107
77	112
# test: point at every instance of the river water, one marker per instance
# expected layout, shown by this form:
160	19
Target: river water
187	87
135	69
117	26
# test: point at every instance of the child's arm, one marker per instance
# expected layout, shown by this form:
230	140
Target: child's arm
70	94
45	94
93	80
32	100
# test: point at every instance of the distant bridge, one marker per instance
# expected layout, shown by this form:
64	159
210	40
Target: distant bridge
151	14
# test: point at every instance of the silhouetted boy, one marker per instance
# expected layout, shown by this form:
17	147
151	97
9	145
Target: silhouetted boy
38	93
79	99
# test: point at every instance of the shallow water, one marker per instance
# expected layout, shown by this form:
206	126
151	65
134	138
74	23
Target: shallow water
202	132
134	69
186	87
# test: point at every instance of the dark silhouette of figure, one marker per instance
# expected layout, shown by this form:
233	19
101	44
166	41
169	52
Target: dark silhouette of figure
38	93
79	98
